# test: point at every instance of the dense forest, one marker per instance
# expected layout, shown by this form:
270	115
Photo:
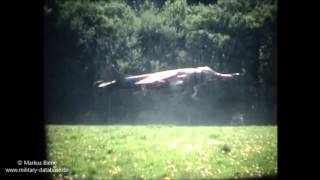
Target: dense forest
83	37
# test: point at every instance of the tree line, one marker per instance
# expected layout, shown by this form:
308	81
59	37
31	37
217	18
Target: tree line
83	37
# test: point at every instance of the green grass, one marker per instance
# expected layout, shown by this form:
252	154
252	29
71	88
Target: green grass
162	152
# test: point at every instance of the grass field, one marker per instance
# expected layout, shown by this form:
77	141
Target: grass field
162	151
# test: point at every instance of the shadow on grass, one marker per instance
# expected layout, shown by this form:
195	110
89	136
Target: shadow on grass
159	124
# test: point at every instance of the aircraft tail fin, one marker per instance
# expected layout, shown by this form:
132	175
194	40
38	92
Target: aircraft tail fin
111	73
108	76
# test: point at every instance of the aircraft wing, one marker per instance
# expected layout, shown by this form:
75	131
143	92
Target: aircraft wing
138	77
102	84
227	75
158	77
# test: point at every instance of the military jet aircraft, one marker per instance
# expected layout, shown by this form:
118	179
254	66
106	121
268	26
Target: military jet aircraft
176	79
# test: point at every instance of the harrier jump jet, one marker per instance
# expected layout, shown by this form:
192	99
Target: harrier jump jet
176	79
